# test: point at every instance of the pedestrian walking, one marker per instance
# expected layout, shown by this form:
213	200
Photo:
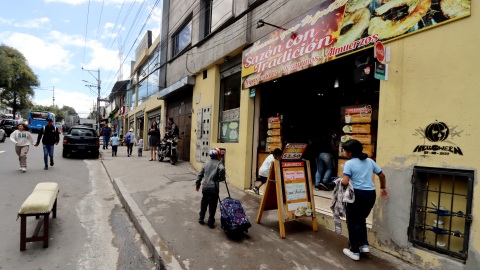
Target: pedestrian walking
22	140
64	129
50	137
129	139
265	168
359	170
213	171
106	132
154	133
114	143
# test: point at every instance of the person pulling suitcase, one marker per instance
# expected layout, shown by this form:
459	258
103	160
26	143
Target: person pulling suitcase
213	171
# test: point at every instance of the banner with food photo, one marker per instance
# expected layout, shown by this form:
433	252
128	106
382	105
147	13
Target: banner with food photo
336	28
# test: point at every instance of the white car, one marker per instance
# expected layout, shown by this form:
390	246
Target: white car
2	135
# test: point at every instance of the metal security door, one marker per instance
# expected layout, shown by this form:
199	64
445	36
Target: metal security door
207	115
198	152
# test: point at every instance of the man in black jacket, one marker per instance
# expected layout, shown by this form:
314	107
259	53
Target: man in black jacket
51	137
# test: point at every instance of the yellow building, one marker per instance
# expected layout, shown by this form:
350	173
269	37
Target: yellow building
419	131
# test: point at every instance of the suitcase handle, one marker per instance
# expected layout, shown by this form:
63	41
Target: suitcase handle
218	189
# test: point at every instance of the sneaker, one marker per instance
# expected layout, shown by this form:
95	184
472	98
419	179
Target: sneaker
24	170
364	249
318	188
353	256
211	226
51	162
200	220
104	148
256	190
112	154
324	187
46	167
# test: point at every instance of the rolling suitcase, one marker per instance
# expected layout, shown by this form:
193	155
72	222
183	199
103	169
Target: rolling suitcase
234	220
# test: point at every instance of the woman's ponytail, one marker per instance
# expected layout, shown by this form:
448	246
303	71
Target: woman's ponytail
356	148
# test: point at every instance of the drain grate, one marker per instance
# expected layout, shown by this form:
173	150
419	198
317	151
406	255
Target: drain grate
182	177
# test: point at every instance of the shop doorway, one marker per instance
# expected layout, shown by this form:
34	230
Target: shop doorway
313	106
179	107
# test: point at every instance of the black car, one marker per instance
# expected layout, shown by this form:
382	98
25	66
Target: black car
81	139
9	125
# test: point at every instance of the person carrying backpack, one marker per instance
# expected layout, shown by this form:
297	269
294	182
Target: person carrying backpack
50	137
129	139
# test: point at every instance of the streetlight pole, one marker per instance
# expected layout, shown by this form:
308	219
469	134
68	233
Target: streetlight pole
99	82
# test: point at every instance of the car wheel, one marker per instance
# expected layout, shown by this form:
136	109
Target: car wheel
64	153
3	139
96	154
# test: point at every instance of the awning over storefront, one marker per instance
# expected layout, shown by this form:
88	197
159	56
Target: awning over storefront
183	84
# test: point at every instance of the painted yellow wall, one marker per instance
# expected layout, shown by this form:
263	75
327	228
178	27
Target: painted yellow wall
238	155
151	104
433	76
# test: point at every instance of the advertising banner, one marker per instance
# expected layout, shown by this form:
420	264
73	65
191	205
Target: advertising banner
339	27
294	150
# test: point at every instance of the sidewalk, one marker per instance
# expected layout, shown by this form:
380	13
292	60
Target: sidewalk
162	201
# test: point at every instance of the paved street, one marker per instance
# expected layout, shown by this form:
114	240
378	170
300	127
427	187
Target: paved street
91	231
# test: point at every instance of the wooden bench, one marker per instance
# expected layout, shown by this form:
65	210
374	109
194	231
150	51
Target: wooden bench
40	204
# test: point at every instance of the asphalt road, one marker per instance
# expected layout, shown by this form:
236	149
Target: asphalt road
91	231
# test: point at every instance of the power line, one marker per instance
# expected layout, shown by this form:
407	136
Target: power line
86	28
98	27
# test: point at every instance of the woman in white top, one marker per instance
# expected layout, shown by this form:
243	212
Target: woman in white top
22	140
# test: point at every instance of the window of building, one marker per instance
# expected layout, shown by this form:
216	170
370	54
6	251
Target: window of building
205	74
229	108
441	212
152	82
132	98
214	14
142	92
182	38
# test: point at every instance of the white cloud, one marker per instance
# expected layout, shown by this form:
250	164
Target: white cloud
82	103
108	25
55	80
67	21
5	21
38	52
156	21
35	23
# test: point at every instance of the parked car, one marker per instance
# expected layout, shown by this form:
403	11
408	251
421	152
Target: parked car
9	125
2	135
81	139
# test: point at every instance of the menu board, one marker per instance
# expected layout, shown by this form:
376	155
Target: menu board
274	134
357	125
296	193
294	150
229	131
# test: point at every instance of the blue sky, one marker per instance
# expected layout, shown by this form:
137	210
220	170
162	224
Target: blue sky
51	34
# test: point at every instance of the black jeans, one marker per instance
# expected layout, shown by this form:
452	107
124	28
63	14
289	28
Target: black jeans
357	213
129	148
209	199
114	149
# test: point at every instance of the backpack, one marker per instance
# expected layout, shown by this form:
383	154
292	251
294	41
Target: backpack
128	137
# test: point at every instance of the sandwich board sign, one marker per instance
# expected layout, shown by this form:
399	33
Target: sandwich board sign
289	189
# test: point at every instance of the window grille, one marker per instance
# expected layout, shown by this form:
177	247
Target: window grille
441	212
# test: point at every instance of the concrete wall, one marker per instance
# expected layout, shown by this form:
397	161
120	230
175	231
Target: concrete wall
433	76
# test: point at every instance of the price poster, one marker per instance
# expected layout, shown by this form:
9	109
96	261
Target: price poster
296	193
357	124
294	150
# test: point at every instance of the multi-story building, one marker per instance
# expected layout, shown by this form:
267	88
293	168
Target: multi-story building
231	68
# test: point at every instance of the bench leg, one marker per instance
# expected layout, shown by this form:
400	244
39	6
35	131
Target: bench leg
23	233
45	230
55	209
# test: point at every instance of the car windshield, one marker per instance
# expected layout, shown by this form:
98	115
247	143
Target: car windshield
9	122
81	132
39	115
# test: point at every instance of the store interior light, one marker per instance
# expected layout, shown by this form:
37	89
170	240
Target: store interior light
275	81
336	85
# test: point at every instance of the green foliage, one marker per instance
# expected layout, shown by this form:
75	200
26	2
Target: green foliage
16	79
69	110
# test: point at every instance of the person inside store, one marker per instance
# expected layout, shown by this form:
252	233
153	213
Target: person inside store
171	129
154	133
323	148
265	168
359	170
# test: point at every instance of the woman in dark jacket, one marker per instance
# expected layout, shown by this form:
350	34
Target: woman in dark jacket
154	133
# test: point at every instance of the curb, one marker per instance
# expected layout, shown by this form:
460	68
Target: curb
162	254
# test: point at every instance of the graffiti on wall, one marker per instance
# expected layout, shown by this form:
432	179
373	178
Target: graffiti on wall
438	133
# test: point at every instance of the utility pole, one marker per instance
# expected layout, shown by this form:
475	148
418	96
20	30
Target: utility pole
98	85
53	96
98	102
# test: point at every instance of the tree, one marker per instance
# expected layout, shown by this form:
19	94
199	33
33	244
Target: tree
16	79
69	110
